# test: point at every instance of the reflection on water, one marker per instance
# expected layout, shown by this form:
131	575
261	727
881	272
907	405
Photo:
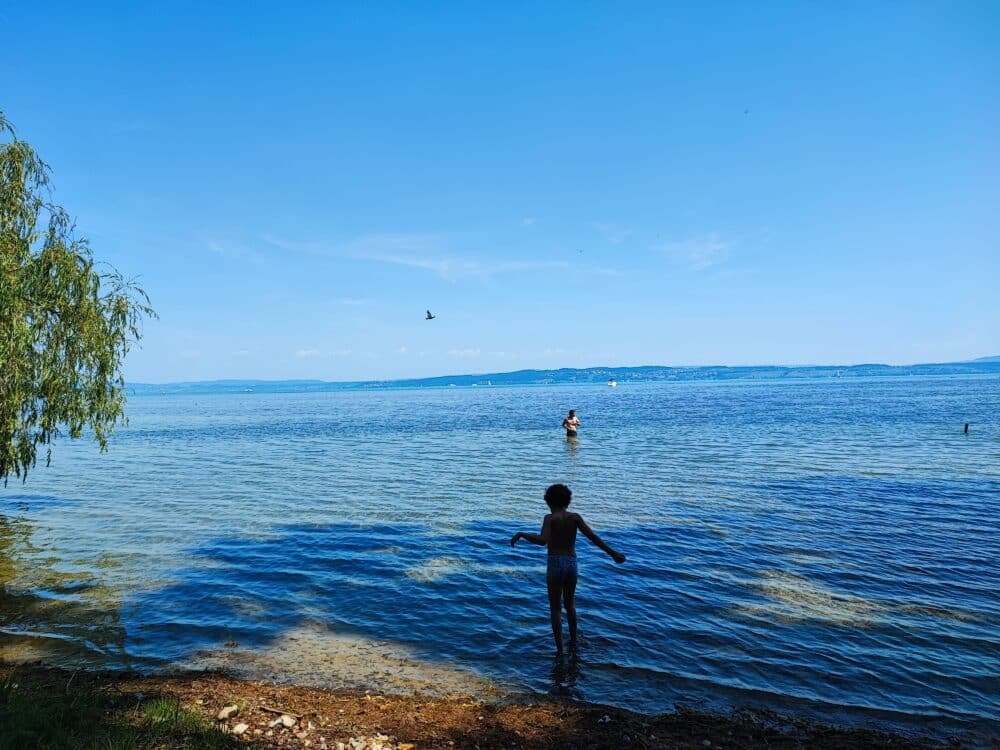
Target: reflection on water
572	446
564	675
823	547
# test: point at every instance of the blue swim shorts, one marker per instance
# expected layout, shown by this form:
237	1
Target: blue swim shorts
561	569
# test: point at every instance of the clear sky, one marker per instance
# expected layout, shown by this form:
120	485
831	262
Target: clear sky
562	184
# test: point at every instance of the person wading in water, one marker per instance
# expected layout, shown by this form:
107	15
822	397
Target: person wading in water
571	423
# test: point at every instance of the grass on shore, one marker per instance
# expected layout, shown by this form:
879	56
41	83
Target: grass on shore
80	718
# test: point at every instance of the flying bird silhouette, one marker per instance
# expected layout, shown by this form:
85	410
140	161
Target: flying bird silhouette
429	316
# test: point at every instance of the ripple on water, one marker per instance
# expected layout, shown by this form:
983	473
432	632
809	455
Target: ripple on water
826	543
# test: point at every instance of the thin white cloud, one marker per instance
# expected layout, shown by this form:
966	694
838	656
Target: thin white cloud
353	301
428	252
308	353
295	246
406	248
440	267
425	252
464	353
527	221
698	253
402	350
241	353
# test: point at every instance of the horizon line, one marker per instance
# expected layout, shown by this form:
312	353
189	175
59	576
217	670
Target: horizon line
981	360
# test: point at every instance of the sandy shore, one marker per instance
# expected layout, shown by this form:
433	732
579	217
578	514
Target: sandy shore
355	719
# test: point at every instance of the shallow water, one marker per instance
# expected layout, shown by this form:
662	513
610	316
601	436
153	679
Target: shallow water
828	548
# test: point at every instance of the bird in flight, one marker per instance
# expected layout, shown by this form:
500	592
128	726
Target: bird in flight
429	316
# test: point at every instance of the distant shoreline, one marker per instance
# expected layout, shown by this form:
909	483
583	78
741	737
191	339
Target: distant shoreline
574	376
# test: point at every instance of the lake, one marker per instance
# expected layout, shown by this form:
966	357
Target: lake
826	548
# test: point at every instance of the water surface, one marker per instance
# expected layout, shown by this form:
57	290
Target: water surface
827	548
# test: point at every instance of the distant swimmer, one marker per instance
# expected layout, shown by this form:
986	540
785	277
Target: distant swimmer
571	423
429	316
966	430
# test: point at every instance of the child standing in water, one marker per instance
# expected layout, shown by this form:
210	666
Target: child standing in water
559	533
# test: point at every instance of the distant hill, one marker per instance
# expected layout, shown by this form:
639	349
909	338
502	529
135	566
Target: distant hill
569	376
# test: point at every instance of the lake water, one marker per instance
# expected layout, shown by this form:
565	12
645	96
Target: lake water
827	548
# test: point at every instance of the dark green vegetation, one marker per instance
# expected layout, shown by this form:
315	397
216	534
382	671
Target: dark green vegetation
65	327
85	718
587	376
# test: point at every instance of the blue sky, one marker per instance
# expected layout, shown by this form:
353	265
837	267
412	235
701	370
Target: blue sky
563	184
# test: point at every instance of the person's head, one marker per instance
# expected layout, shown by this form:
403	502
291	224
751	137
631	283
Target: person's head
558	497
572	413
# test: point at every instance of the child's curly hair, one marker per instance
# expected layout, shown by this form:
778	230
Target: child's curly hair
558	496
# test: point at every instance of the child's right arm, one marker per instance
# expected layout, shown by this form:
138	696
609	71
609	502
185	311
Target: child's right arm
540	539
588	532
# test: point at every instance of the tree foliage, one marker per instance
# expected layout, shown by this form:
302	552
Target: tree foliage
65	327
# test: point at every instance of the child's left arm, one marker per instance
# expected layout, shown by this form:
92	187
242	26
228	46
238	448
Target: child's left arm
540	539
588	532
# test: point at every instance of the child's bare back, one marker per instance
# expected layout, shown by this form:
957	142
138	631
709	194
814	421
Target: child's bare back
562	531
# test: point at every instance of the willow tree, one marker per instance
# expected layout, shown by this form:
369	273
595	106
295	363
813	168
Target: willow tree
65	326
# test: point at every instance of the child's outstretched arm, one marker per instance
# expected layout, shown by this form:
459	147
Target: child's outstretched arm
540	539
588	532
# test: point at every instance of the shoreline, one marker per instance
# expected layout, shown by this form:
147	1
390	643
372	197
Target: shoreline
350	719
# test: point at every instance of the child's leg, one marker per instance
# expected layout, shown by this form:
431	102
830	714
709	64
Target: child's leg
555	594
569	600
